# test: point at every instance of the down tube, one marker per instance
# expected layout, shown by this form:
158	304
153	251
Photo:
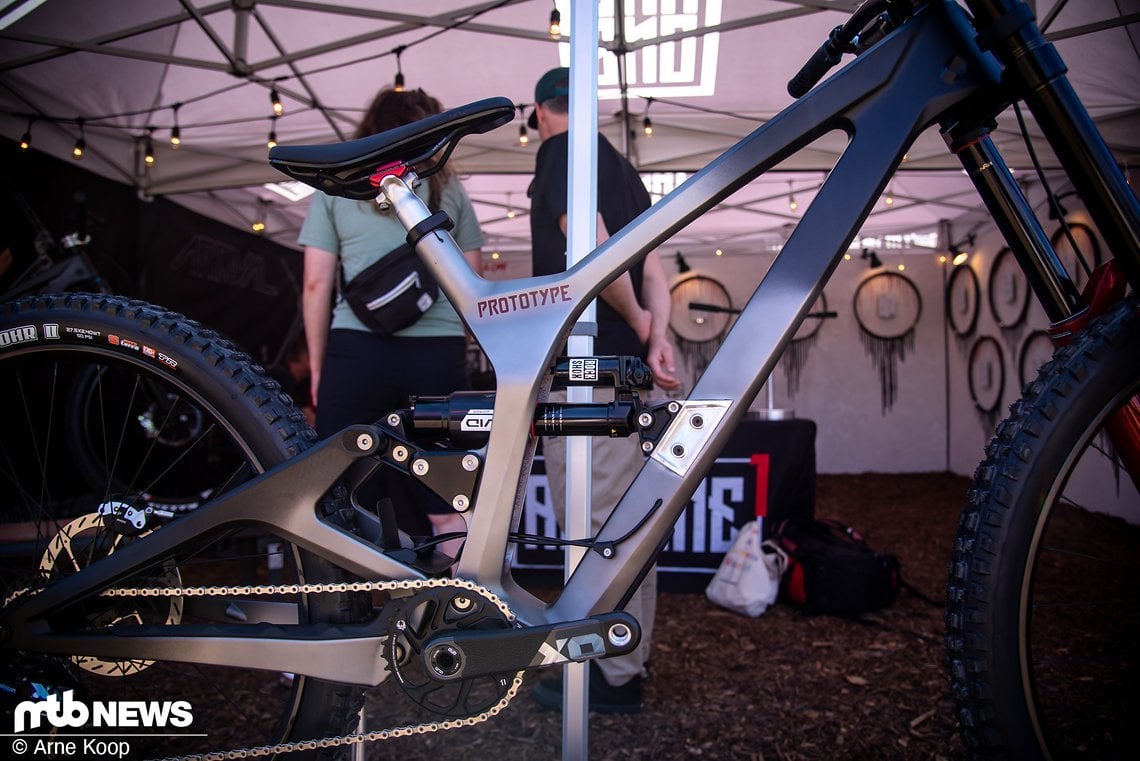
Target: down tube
745	359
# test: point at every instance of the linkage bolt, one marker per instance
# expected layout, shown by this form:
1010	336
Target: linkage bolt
647	446
645	419
460	502
619	635
470	463
674	407
400	453
364	442
420	467
393	420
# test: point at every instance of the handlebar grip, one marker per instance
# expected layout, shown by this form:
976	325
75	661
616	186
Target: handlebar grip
812	71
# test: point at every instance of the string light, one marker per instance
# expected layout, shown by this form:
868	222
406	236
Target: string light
175	131
148	147
81	143
523	137
647	123
271	142
510	209
719	252
792	198
275	99
555	23
26	138
399	83
258	225
890	199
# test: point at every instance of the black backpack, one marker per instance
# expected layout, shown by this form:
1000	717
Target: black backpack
832	570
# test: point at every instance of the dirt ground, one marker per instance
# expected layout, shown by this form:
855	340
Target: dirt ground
786	685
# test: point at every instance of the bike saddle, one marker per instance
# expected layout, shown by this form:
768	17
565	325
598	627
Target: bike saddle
348	169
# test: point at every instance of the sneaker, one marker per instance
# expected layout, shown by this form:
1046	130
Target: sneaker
604	697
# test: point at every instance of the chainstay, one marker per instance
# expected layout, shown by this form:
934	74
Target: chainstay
347	586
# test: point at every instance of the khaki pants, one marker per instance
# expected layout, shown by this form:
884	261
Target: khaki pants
616	463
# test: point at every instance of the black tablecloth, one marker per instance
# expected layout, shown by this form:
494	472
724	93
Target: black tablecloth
766	472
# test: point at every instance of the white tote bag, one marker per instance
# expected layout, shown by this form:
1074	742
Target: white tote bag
748	578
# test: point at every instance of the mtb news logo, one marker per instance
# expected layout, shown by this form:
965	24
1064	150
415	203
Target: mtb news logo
64	711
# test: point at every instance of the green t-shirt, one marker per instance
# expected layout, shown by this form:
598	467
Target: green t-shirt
359	234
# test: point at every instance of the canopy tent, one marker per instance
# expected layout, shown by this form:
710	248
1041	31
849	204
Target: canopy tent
120	73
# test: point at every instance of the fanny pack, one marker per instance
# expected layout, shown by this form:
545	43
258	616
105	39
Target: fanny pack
393	292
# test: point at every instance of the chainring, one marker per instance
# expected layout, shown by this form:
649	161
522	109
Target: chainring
422	617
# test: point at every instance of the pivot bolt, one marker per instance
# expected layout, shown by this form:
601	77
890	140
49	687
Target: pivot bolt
674	407
393	420
470	463
647	446
420	467
399	453
364	442
619	635
460	502
645	419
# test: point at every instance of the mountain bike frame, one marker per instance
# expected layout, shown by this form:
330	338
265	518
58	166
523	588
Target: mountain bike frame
930	70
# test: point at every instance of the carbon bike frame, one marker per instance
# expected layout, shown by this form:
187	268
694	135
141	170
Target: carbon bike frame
927	71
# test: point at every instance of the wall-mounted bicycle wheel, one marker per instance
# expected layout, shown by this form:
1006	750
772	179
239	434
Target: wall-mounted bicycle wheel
700	315
887	307
986	374
963	295
701	310
1008	291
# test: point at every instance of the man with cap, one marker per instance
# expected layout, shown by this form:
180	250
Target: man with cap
632	318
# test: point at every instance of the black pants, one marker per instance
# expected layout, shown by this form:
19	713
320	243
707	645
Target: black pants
364	377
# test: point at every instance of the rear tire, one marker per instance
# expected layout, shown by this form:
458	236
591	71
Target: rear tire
1043	614
119	358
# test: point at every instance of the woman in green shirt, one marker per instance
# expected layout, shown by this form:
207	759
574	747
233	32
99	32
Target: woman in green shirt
358	376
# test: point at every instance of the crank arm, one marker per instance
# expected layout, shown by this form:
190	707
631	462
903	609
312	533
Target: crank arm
467	654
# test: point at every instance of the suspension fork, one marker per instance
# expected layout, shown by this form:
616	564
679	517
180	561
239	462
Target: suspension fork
1036	72
1068	310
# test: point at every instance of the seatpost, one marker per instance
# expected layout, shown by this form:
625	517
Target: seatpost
397	190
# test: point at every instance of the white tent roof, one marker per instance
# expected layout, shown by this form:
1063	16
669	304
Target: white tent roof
123	66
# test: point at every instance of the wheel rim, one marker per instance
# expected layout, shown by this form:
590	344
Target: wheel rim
1079	617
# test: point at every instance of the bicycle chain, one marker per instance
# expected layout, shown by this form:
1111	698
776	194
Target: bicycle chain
348	586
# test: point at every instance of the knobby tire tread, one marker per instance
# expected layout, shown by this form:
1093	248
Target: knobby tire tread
994	530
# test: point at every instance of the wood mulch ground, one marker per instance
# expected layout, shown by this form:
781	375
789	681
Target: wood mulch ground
786	685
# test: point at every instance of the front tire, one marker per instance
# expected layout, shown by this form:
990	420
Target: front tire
1043	614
